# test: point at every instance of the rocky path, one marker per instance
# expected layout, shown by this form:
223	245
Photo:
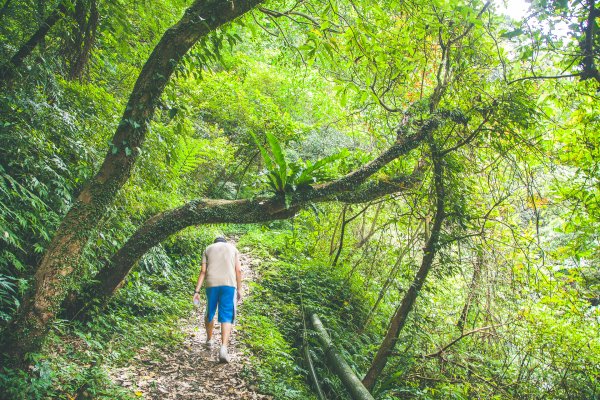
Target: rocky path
191	371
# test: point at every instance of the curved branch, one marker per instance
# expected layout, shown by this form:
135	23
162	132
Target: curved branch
278	14
406	305
453	342
534	77
351	188
471	136
197	212
209	211
402	146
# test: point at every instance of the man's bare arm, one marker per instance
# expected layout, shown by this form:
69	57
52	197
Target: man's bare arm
200	280
238	276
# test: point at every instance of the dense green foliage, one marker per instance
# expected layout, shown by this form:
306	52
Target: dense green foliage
279	103
292	285
76	356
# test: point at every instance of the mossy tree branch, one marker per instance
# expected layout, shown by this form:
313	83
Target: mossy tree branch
351	188
208	211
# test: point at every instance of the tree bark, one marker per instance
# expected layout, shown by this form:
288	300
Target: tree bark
337	363
4	8
462	320
87	24
589	62
399	319
9	69
393	274
63	253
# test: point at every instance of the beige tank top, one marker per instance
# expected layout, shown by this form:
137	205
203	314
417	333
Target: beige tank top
220	259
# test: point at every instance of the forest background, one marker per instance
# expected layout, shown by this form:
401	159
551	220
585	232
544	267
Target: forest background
422	174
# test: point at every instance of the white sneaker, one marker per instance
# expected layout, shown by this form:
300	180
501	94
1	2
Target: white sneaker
209	343
223	355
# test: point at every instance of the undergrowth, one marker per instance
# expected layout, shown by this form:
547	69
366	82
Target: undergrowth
77	356
291	285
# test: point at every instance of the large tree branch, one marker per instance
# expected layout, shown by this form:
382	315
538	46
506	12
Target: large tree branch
209	211
349	189
402	146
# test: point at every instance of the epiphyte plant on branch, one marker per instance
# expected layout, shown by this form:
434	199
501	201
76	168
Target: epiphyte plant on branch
284	177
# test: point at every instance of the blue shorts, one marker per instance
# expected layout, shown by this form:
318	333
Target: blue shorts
224	298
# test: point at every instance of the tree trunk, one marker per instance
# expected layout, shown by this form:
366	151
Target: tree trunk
399	319
393	274
63	253
4	8
589	53
9	69
337	363
85	36
462	320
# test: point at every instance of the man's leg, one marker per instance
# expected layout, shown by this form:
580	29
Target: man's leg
210	325
226	318
211	308
225	333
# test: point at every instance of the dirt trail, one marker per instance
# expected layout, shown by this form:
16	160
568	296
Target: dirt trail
192	370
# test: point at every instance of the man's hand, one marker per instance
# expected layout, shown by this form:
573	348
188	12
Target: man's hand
239	295
196	298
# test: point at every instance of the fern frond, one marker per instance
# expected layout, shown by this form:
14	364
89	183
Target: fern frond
269	163
187	157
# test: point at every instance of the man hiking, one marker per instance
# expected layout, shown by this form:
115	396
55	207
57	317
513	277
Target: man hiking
221	269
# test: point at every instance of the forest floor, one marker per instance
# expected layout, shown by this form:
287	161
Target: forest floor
192	370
